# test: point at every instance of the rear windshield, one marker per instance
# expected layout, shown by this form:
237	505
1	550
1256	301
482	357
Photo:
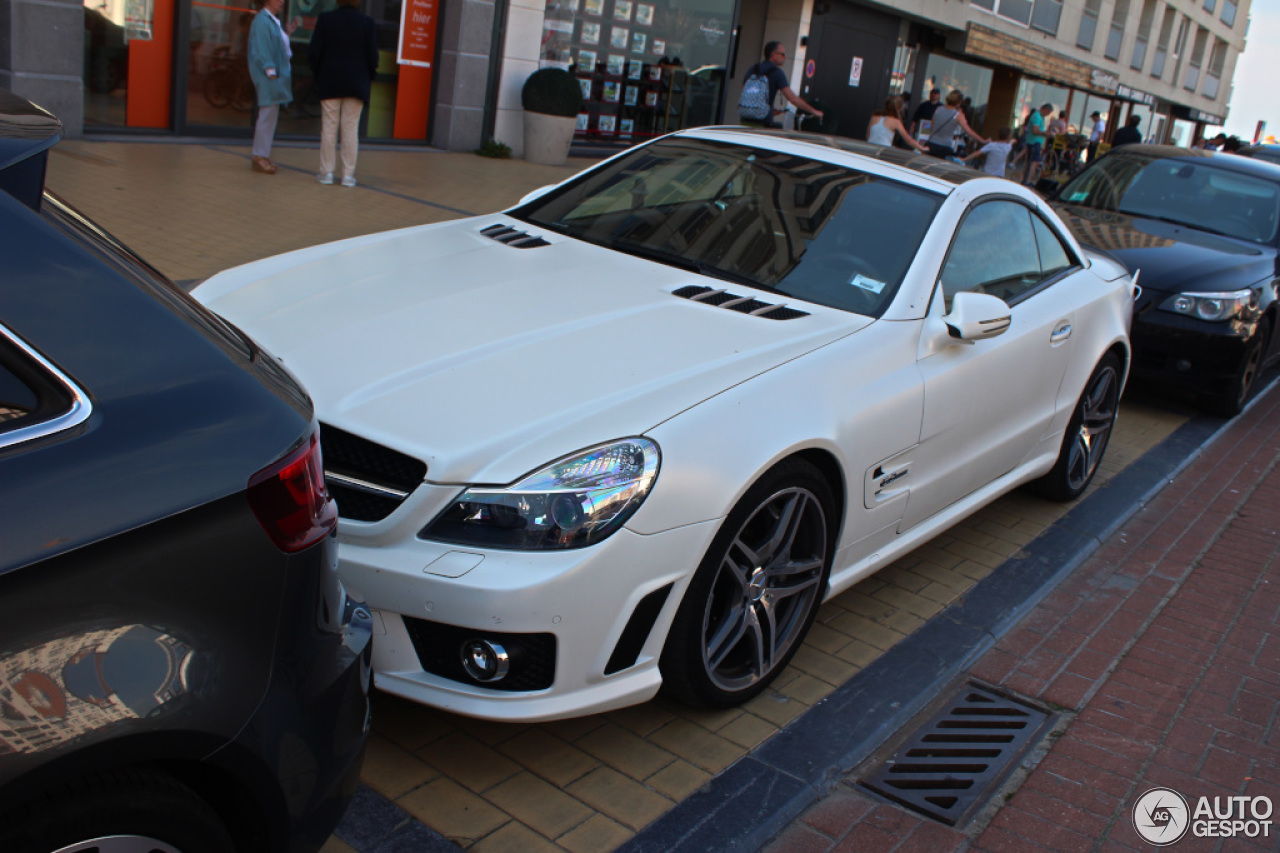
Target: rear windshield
1197	194
783	223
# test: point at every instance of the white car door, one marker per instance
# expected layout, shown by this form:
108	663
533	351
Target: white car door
988	403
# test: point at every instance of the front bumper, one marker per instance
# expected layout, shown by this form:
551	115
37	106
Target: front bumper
1200	356
599	614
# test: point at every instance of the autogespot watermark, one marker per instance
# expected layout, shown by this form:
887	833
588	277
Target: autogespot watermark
1162	816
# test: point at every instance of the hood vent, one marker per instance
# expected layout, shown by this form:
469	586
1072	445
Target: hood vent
734	302
513	237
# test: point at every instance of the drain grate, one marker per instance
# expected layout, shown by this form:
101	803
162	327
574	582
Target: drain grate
960	756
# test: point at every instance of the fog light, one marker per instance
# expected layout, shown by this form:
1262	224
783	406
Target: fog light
485	661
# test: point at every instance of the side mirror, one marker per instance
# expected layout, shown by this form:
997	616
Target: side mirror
977	316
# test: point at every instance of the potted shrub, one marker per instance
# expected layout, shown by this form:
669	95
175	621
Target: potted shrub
552	99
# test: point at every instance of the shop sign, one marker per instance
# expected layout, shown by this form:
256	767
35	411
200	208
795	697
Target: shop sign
1136	95
855	72
1188	114
712	31
1104	81
417	33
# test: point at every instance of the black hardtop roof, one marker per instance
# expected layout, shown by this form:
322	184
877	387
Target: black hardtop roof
1221	159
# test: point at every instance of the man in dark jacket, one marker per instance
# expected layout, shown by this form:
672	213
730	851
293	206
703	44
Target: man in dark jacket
766	73
1129	134
344	58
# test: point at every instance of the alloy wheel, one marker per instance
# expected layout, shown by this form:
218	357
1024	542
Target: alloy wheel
765	587
1098	415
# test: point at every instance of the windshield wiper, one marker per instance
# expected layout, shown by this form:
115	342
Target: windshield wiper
1157	218
680	261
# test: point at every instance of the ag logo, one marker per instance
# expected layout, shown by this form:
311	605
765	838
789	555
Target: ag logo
1161	816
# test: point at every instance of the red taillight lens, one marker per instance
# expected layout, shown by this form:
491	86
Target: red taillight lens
290	500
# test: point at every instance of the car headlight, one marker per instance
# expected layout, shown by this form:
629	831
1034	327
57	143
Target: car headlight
1212	306
574	502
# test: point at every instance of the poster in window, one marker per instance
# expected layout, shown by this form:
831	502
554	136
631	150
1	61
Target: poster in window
644	14
611	90
593	7
659	47
622	10
626	126
638	42
583	119
650	99
586	88
417	33
617	64
634	69
590	33
618	38
655	73
587	60
607	123
632	96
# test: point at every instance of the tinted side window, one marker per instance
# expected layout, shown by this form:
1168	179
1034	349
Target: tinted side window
1054	257
994	252
35	398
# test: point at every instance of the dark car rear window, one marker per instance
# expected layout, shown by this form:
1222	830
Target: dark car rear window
1196	193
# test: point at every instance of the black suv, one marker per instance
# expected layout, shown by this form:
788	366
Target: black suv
180	668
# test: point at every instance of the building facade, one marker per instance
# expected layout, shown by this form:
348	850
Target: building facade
452	70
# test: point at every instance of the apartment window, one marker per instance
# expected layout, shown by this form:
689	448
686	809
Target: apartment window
1139	54
1217	62
1116	36
1088	24
1209	4
1046	15
1192	79
1229	12
1018	11
1162	46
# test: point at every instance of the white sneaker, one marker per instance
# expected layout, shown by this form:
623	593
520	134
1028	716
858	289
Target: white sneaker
326	178
348	182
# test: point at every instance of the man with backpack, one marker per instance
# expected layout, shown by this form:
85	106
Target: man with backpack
763	82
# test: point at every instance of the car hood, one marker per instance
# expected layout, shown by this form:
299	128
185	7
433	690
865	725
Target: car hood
1172	258
488	361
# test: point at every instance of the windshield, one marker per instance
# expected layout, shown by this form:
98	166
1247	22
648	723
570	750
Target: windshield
783	223
1197	194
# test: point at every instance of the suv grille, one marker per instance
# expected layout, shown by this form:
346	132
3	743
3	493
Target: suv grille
367	480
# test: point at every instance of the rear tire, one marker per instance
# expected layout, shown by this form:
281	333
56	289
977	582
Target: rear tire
754	596
123	811
1087	435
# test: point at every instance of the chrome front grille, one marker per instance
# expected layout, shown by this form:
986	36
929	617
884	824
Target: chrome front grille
366	479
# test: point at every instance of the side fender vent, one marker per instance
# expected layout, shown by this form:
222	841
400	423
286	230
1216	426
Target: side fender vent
734	302
513	237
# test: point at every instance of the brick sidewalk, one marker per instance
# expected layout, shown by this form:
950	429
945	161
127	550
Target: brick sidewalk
1162	649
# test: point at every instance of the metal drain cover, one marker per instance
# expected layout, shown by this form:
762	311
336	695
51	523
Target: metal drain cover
960	756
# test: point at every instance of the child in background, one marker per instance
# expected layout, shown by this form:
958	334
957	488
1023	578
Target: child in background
996	153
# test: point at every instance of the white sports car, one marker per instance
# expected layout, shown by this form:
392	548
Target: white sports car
631	433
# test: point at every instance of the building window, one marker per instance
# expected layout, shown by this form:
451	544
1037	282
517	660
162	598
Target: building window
1018	11
1209	4
1116	36
1139	54
1046	15
1088	24
1229	12
1217	62
1162	46
1192	79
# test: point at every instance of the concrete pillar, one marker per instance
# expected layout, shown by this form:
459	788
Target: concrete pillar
42	56
463	68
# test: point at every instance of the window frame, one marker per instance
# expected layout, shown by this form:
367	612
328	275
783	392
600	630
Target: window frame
1077	262
49	384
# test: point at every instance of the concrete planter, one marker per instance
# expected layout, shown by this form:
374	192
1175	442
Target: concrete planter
547	138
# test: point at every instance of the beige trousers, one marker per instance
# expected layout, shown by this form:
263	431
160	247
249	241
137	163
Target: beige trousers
340	124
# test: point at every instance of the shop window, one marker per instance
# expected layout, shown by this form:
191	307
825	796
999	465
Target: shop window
645	68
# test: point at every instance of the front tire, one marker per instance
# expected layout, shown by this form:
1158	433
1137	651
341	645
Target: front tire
1230	402
1087	435
755	594
124	811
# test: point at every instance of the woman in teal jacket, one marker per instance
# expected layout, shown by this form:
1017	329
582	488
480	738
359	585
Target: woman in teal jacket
269	55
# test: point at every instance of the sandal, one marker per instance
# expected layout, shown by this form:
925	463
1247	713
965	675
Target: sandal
262	164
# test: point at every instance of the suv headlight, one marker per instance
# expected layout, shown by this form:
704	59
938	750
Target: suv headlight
1212	306
574	502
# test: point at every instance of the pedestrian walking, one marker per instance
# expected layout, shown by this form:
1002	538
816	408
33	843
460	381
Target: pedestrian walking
947	119
924	112
995	152
343	55
269	57
763	82
1096	133
1035	143
1129	134
886	122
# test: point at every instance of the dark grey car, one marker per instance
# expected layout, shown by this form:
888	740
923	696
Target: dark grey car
179	664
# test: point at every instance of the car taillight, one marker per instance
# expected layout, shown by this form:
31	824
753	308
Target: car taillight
290	499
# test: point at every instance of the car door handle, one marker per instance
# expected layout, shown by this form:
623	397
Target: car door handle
1060	334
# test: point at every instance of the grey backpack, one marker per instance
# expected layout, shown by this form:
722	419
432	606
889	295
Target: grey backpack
754	102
